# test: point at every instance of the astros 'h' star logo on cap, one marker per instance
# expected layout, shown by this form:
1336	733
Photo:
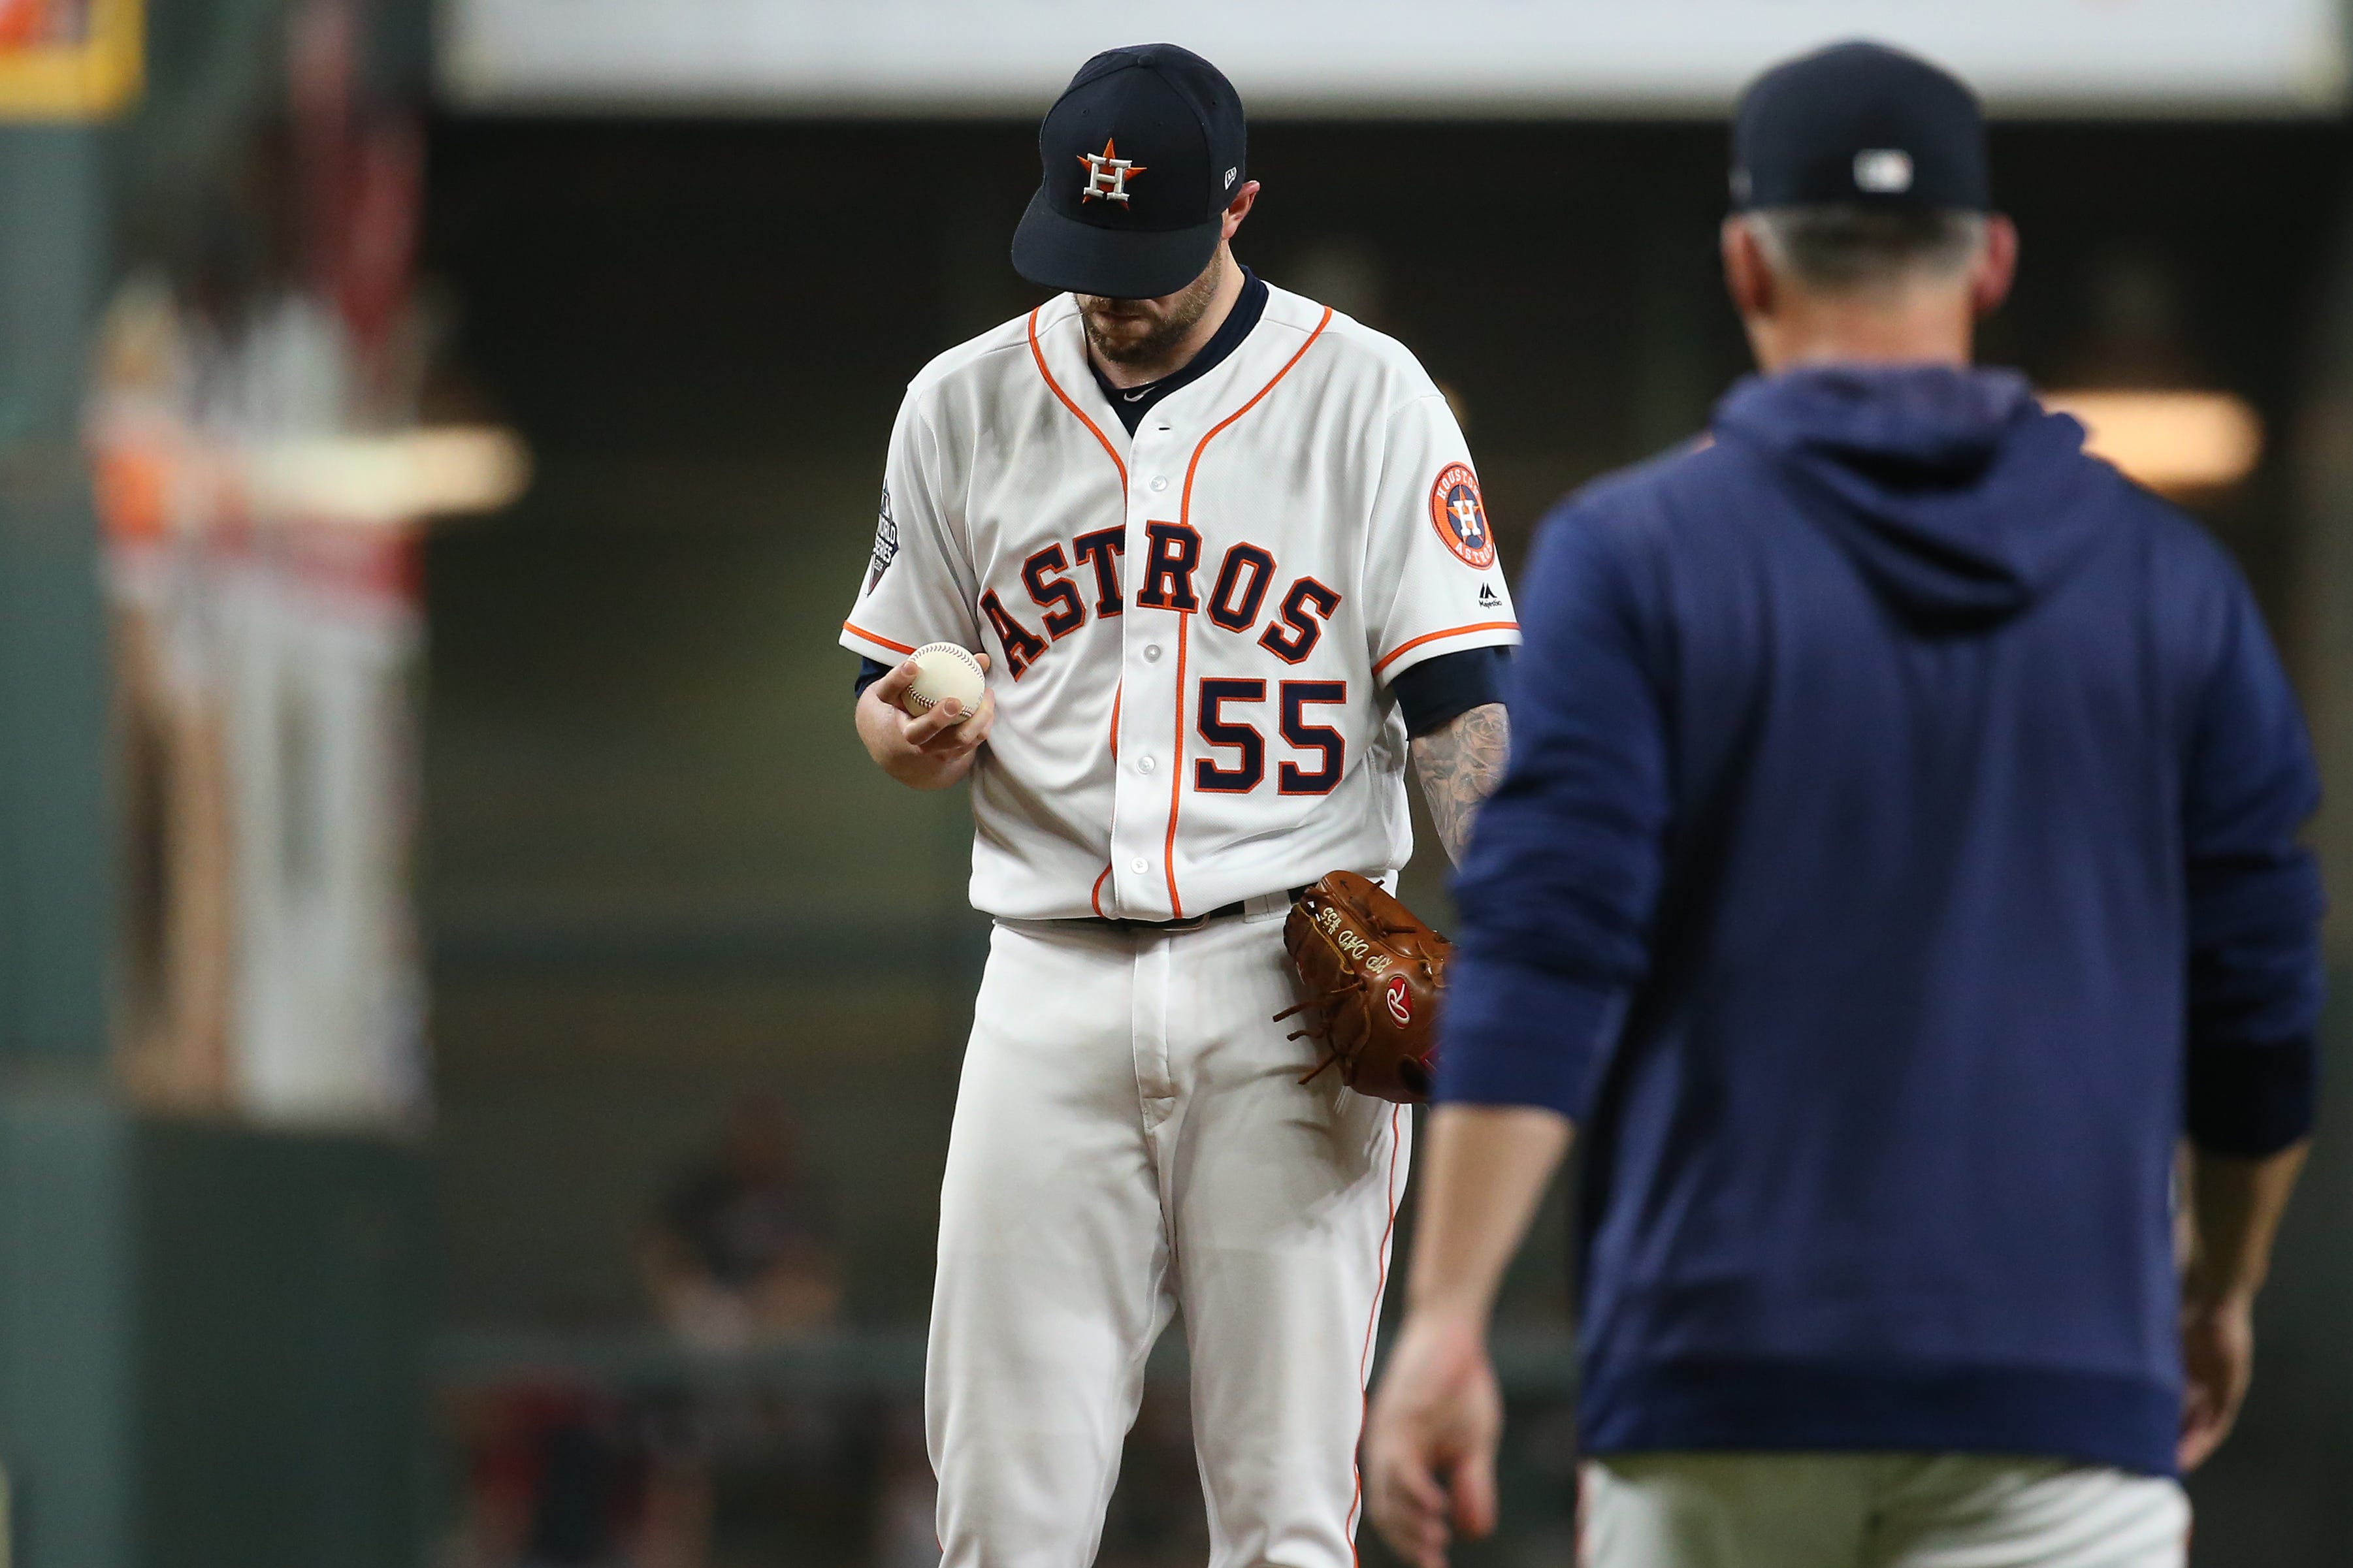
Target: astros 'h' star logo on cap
1107	175
1460	516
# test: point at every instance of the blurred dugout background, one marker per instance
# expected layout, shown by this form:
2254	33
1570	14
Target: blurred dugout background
630	1267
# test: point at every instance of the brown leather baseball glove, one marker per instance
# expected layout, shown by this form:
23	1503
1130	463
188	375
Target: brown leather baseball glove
1371	974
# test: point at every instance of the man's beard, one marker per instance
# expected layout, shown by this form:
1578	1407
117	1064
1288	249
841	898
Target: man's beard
1184	313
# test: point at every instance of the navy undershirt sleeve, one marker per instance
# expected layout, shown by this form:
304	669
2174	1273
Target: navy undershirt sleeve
1439	691
869	672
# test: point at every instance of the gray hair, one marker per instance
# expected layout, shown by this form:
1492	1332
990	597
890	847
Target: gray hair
1848	247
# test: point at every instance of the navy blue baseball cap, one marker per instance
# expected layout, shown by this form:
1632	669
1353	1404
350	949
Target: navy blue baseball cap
1142	154
1859	124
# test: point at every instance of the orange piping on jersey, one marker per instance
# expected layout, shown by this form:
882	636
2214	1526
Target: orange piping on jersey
1184	516
1118	692
1177	772
856	630
1079	414
1381	663
1185	508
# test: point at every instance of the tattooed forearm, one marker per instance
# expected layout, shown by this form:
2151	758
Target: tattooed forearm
1461	762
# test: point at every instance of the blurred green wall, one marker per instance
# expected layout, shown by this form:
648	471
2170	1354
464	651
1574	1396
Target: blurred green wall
663	881
210	1348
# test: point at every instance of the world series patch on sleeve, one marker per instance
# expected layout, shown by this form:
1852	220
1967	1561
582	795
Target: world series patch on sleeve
1372	970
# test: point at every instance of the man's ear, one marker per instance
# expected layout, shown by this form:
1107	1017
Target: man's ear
1747	277
1239	207
1997	267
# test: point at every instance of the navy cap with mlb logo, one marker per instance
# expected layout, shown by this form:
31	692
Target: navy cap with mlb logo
1862	124
1142	154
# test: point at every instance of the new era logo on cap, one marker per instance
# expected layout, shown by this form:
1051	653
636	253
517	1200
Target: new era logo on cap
1883	171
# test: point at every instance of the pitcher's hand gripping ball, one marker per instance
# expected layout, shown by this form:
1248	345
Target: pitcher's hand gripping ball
1372	973
943	670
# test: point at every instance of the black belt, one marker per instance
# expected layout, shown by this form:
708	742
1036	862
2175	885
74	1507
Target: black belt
1190	922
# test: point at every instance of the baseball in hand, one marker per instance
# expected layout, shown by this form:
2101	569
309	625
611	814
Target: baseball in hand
943	670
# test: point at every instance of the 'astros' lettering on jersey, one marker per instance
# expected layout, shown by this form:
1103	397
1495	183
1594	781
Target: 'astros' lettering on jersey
1191	633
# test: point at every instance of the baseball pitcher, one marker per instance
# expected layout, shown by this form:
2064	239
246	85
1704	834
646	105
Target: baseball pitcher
1222	553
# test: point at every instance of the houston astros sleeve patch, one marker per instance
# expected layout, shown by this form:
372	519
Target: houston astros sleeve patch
1460	516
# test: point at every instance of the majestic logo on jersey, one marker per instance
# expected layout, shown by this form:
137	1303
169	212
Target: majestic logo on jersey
1461	518
1107	175
1488	598
886	544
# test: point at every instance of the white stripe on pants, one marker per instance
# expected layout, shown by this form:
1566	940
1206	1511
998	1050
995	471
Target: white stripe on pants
1130	1137
1875	1511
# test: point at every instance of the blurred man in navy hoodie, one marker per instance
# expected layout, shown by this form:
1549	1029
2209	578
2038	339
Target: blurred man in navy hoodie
1897	859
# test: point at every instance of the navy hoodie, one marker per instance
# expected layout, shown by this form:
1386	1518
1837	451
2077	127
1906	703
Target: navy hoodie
1898	854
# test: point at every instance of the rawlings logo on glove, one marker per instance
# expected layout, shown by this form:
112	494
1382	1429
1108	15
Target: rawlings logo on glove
1372	973
1399	996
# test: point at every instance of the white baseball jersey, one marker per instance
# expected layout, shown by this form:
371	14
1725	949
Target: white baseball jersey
1191	632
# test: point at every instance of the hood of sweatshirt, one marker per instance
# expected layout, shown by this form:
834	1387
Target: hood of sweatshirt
1951	489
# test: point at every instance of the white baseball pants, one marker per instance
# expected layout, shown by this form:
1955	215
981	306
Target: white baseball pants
1875	1511
1131	1138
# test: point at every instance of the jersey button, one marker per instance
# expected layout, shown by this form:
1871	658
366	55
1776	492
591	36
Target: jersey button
1159	481
1139	867
1151	653
1144	764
